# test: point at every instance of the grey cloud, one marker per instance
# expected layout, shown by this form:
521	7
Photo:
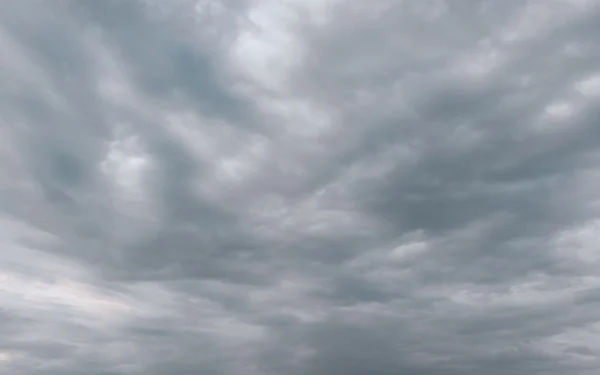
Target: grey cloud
298	187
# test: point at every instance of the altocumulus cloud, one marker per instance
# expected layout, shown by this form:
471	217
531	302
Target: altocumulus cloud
299	187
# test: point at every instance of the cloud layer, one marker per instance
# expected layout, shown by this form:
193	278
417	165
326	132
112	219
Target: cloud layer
299	187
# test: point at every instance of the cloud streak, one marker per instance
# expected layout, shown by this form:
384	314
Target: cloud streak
299	187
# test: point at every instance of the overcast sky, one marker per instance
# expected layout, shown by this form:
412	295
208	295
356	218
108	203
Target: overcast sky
299	187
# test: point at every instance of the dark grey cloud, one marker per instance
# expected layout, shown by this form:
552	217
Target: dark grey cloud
299	187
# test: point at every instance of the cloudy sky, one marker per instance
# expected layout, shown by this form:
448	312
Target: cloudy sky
299	187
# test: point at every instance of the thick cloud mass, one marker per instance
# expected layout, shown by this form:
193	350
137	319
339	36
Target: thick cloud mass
299	187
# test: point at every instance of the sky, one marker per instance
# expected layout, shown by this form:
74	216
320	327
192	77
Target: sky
299	187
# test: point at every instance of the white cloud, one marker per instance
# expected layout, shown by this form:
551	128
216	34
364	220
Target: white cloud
280	187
